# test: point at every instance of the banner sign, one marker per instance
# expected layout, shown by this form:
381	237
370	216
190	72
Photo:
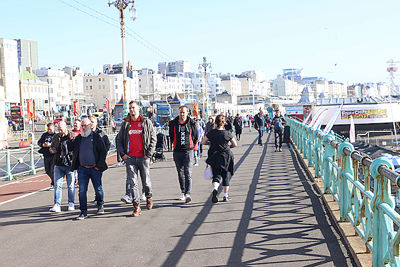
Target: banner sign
364	114
76	108
30	111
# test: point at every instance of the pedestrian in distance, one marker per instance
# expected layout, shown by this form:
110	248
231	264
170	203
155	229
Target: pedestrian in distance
220	157
45	144
102	133
76	131
277	122
259	125
210	125
229	123
184	135
61	148
77	127
238	124
136	144
89	159
197	152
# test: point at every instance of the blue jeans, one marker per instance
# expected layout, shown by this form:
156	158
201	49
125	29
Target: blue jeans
260	134
184	166
86	174
133	166
59	173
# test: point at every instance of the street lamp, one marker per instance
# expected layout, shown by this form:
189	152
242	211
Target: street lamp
121	5
204	67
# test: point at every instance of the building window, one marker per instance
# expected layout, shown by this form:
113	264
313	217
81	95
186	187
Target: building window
90	80
115	79
116	87
90	87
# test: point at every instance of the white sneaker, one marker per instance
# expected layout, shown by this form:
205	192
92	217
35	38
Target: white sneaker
196	164
71	206
55	208
51	188
188	199
126	199
143	198
182	197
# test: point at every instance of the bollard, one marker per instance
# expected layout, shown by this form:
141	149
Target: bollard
32	160
8	165
382	225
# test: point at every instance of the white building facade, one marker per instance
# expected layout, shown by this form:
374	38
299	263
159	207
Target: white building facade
9	76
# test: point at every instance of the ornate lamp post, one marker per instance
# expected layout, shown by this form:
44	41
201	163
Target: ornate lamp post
121	5
204	67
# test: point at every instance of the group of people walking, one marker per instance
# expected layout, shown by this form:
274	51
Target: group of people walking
264	123
80	155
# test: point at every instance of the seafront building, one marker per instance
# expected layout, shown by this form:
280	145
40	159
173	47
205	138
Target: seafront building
27	54
9	71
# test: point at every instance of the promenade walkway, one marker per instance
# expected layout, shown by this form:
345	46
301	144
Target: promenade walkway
274	219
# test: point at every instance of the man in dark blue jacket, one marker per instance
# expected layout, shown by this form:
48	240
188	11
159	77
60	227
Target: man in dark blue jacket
89	158
259	125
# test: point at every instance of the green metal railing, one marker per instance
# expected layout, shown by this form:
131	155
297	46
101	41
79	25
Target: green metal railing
361	186
26	161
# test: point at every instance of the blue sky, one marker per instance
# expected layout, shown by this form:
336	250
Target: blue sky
346	41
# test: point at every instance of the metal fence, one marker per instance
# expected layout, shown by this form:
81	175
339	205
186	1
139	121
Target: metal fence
379	138
361	186
25	161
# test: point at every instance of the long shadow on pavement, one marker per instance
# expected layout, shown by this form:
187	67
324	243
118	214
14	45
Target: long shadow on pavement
187	236
285	231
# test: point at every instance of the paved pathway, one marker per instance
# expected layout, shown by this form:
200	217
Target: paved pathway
274	219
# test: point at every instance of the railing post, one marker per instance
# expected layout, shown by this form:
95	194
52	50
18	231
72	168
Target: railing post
344	190
32	160
328	156
308	150
8	165
382	224
317	153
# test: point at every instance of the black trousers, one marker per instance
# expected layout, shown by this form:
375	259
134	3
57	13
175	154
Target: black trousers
49	167
278	135
221	176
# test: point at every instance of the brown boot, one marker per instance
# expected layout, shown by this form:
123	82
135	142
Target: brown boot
136	209
149	203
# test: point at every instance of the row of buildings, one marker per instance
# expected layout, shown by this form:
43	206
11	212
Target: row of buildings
55	90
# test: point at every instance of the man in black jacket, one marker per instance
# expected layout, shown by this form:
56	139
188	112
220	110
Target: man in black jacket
89	158
103	134
45	142
184	135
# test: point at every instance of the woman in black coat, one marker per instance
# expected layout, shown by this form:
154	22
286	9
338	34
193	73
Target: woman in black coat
238	123
220	157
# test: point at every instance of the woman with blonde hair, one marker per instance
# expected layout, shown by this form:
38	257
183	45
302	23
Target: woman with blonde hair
220	157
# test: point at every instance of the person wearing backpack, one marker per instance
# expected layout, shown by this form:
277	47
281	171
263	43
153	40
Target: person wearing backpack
277	122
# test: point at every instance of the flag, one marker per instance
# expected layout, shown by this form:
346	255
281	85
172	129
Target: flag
195	110
108	108
30	113
76	108
352	130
